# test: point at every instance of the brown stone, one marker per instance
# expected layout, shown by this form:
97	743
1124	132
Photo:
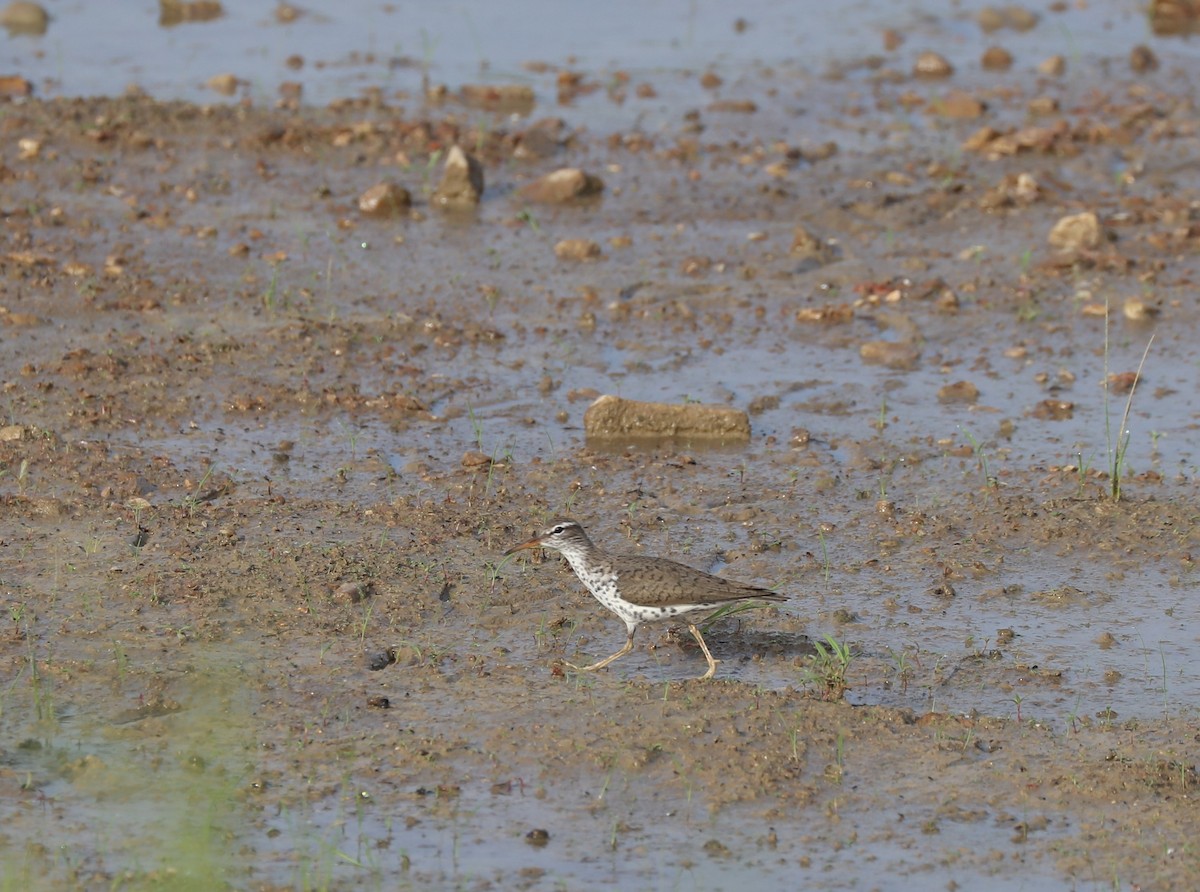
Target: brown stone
1142	59
932	65
1076	231
462	181
893	354
958	104
226	84
516	98
996	58
611	416
23	17
958	392
13	85
176	12
1053	67
384	200
577	249
562	185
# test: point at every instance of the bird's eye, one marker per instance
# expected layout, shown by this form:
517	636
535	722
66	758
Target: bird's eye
558	529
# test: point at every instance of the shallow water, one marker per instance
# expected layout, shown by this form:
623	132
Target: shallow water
986	734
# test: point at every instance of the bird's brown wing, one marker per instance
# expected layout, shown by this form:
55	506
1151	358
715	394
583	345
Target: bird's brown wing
657	582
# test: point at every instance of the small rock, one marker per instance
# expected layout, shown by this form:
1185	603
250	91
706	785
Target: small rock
996	58
378	703
990	19
540	139
1019	18
537	837
805	244
513	98
1143	59
351	592
475	459
1043	105
382	660
225	84
736	106
1016	17
1076	231
958	104
1136	310
1122	382
932	65
1053	67
562	185
384	200
22	17
577	249
611	416
15	86
175	12
12	432
1054	410
958	392
893	354
462	181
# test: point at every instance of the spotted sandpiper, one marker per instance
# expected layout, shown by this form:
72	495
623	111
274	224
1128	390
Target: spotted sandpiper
643	589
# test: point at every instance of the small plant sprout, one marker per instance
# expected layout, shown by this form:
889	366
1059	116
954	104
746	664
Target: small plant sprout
904	669
981	457
193	500
824	552
1118	447
272	291
476	425
828	668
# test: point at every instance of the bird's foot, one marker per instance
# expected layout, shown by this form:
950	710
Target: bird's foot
712	670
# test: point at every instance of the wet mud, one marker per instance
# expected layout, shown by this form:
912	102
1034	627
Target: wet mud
263	446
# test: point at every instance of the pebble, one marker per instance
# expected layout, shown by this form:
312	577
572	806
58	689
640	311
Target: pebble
1142	59
893	354
226	84
577	249
958	104
1055	66
996	58
462	181
1136	310
385	200
23	17
515	98
562	185
13	85
932	65
958	392
1076	231
351	592
1054	410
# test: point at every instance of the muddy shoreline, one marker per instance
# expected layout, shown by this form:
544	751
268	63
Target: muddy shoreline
262	451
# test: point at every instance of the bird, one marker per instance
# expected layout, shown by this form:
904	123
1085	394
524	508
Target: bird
640	589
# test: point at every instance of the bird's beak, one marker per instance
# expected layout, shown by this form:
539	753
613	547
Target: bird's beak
532	543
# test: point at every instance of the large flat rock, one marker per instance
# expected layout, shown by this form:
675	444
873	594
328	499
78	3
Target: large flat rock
611	416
